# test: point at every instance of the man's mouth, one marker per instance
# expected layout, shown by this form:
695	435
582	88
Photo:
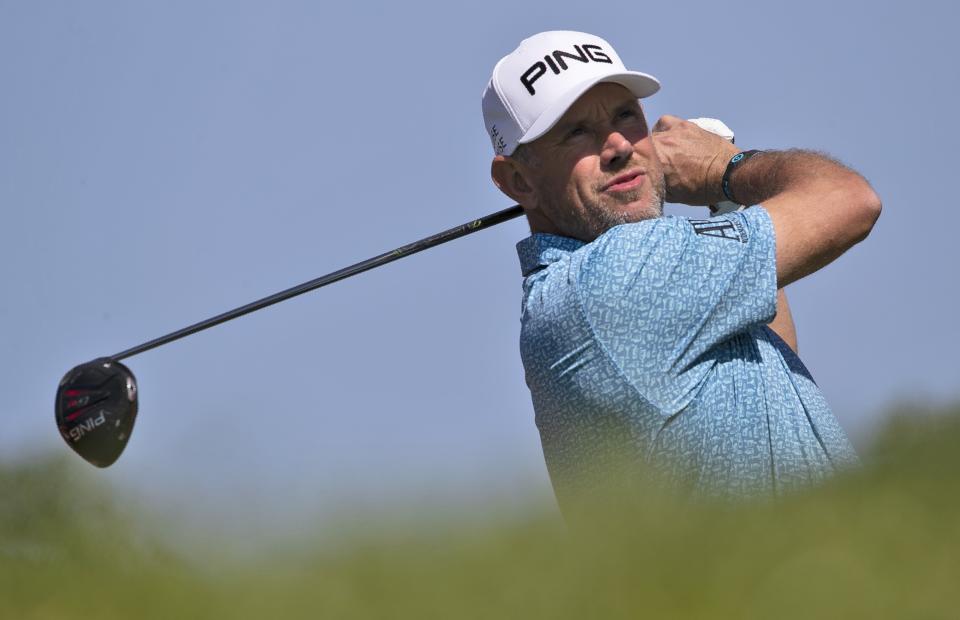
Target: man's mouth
625	182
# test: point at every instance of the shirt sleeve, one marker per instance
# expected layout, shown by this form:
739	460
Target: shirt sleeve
661	293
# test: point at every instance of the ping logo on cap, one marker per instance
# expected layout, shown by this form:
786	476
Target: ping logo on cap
534	85
555	60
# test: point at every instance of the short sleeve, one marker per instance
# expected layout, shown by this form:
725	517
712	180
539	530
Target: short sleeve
661	293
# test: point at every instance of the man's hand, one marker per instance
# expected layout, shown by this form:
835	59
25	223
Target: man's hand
693	161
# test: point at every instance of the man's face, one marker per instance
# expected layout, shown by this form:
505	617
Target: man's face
597	167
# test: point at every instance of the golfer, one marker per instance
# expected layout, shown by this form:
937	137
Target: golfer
657	342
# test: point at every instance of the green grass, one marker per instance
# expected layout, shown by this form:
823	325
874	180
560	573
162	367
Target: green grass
883	542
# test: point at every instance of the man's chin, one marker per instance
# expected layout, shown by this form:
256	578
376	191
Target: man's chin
646	208
643	208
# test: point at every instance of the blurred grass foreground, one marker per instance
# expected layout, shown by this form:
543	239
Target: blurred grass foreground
882	542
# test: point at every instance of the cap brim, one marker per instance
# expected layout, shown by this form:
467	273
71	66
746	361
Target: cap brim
640	84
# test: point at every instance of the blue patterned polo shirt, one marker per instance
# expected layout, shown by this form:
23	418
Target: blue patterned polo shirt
649	346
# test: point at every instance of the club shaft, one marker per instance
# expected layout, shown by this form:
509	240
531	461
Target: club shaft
406	250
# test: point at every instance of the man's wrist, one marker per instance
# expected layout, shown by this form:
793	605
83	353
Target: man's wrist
735	162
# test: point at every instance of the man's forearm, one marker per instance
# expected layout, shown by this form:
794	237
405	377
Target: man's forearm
770	173
819	207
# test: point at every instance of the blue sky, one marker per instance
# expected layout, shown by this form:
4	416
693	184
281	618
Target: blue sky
163	162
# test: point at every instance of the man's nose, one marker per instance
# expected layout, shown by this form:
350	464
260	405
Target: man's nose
616	149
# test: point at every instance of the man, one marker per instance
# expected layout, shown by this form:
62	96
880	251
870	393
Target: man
650	340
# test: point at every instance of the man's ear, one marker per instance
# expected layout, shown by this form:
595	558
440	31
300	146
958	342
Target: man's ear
510	176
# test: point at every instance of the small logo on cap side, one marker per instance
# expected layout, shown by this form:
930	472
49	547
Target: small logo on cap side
555	60
499	145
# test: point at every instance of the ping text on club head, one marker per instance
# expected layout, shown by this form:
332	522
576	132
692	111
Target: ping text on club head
78	431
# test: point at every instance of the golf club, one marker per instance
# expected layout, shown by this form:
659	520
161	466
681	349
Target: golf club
96	402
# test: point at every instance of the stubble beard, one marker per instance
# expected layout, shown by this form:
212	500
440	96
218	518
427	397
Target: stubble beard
608	212
610	215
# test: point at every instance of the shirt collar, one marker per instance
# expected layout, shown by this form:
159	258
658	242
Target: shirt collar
541	249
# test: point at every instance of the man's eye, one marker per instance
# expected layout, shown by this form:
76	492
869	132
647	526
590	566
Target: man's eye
577	131
625	114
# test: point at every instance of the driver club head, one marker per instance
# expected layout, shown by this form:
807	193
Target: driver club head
95	409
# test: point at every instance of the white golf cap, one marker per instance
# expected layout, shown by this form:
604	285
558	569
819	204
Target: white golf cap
533	86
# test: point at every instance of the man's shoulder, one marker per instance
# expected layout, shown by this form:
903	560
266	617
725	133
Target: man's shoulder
660	246
662	256
734	226
622	239
620	255
558	267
